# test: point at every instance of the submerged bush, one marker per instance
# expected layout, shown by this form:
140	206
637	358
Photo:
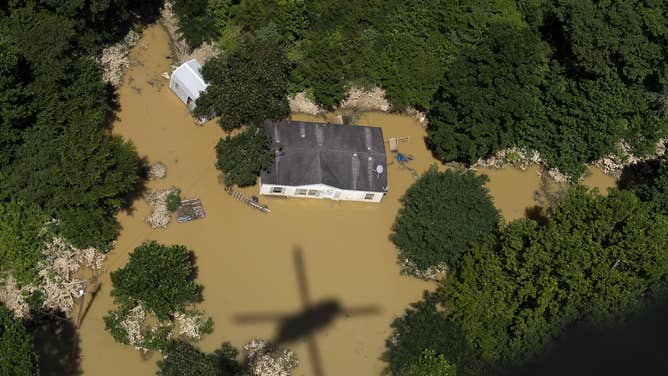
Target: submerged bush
442	213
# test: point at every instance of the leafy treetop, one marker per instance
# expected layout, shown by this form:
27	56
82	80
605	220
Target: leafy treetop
159	277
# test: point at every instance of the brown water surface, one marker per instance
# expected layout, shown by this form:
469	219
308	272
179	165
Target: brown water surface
245	259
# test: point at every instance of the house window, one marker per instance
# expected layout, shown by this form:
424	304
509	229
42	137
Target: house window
369	196
300	192
313	192
277	190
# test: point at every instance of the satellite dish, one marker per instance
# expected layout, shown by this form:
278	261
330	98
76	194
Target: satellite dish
380	169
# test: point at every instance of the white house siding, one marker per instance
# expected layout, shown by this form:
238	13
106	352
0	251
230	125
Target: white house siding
187	83
320	191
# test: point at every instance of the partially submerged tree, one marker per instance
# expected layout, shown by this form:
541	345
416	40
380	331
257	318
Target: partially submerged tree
246	85
156	282
442	214
17	356
158	276
597	261
431	364
242	157
183	359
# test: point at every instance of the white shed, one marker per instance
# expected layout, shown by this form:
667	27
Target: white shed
187	82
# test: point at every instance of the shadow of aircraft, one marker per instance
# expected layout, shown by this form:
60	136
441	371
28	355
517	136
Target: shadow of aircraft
312	318
56	342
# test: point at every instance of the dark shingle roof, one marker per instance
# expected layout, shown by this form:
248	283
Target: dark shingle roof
341	156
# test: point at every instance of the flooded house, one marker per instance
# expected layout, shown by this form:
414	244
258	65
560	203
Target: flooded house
187	83
322	160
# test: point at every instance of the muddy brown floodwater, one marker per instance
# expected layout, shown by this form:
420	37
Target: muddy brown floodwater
245	258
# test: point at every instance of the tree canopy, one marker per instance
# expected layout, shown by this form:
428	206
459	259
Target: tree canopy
183	359
442	214
242	157
158	276
247	85
58	158
16	350
490	99
21	239
597	261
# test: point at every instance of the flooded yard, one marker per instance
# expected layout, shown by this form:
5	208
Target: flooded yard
246	259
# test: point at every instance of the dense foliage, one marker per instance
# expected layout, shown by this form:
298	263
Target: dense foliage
568	79
174	200
17	357
442	214
490	97
599	81
21	226
247	85
157	276
431	364
58	159
183	359
649	181
597	261
242	157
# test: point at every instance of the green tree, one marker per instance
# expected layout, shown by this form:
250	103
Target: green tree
598	260
442	213
21	239
183	359
247	85
15	111
431	364
158	276
585	119
490	97
424	326
242	157
76	172
16	350
649	182
625	40
195	22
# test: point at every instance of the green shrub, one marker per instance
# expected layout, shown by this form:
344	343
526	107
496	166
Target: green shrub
174	200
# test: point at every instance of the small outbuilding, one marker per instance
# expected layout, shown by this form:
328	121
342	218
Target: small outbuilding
187	82
318	160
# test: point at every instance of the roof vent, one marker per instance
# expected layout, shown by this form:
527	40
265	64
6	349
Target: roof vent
277	136
369	164
302	130
356	170
319	135
367	137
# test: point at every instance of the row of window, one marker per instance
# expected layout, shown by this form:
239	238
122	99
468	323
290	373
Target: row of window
312	192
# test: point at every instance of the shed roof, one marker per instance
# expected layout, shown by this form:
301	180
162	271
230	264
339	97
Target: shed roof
341	156
189	75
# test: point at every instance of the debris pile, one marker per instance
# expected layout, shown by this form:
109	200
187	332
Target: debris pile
132	324
190	324
301	104
114	59
265	359
365	100
157	200
158	170
180	48
56	282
